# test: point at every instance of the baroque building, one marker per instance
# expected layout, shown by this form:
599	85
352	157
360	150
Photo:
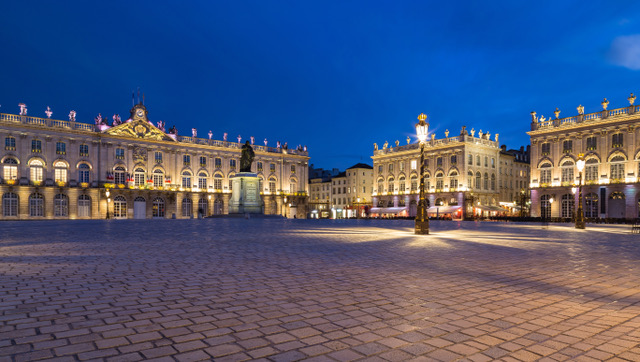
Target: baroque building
462	177
609	143
132	169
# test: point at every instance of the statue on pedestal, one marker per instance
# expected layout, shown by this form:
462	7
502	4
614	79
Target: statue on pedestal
247	157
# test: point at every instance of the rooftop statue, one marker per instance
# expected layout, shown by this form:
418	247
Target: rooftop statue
580	109
631	99
247	157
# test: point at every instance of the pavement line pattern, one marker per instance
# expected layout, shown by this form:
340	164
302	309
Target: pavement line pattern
286	290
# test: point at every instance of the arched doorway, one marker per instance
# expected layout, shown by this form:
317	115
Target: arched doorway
84	206
217	207
616	205
119	207
157	209
203	207
139	208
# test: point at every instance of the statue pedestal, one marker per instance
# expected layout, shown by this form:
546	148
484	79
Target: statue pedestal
245	194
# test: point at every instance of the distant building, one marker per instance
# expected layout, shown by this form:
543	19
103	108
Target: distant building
359	190
609	141
58	169
341	195
514	176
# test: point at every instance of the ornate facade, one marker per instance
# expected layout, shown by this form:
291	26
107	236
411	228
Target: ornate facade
462	177
66	169
609	141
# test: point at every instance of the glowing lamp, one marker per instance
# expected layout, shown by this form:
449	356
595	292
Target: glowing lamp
422	128
580	163
574	189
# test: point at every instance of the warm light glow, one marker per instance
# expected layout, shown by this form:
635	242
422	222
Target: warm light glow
107	193
580	163
574	190
422	128
551	200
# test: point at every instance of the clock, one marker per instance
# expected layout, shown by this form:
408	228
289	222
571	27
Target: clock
140	113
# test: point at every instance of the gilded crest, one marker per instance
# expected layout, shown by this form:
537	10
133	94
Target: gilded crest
140	130
139	154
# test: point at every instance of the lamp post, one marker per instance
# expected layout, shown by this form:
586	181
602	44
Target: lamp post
580	213
550	207
107	194
422	219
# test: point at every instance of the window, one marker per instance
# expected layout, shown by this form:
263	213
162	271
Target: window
439	181
567	205
591	205
261	185
403	186
61	205
454	160
470	160
486	181
230	184
478	180
217	162
401	166
545	206
61	148
259	165
157	209
567	146
617	169
36	146
203	207
83	172
592	143
138	177
187	207
10	143
617	140
567	173
60	171
272	185
84	150
414	183
591	170
10	169
119	175
379	168
486	161
158	178
158	157
493	181
203	161
293	187
390	185
545	174
453	180
119	153
545	149
438	161
470	179
36	205
493	162
414	164
119	207
293	169
391	167
217	182
202	181
186	179
232	164
272	167
186	160
37	171
10	204
426	163
380	186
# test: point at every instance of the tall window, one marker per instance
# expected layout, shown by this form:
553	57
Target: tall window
119	175
414	183
486	161
438	161
453	180
61	205
567	205
470	160
293	169
36	205
391	167
567	146
203	206
259	165
37	171
139	177
84	150
380	186
617	169
232	164
545	174
203	161
454	160
567	173
486	181
157	208
61	148
83	172
186	160
403	187
10	169
439	181
158	157
84	206
591	170
272	185
493	181
217	162
158	178
478	180
390	184
36	146
470	179
545	206
592	143
119	207
187	207
119	153
293	187
10	204
272	167
617	140
202	181
414	164
60	171
217	182
493	162
186	179
591	205
401	166
10	143
545	149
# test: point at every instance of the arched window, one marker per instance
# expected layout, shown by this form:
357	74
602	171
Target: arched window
217	181
478	161
60	172
486	161
157	208
84	206
439	202
272	185
617	169
10	170
591	205
568	202
119	207
390	184
486	181
402	184
203	206
10	204
545	206
202	180
453	180
439	181
186	179
493	181
119	175
61	205
470	179
139	178
261	184
380	186
187	207
37	171
36	204
567	172
591	171
158	178
478	180
83	172
414	183
545	174
293	186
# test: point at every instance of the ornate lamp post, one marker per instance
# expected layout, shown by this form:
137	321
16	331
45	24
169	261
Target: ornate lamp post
422	219
580	213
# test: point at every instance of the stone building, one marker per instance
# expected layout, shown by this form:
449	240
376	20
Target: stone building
132	169
462	176
341	195
359	189
514	177
609	142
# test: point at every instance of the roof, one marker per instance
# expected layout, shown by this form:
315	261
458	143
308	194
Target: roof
361	165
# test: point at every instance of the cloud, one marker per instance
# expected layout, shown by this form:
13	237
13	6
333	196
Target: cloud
625	51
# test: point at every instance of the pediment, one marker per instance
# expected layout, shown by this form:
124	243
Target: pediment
139	129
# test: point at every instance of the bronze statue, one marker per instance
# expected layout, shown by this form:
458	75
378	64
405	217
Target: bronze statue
247	157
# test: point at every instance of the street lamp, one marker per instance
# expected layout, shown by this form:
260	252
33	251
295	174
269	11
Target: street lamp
422	219
580	213
550	207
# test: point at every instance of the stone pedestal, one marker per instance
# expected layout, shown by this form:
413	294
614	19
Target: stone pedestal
245	194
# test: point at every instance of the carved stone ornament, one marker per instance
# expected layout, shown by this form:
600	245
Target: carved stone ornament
533	117
542	119
139	129
605	104
631	99
557	112
580	109
446	133
139	154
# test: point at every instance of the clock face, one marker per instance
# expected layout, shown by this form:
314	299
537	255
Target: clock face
140	112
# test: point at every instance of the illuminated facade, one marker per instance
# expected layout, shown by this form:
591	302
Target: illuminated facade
609	141
462	177
342	195
57	169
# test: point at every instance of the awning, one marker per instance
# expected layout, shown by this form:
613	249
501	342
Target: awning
443	209
387	210
491	208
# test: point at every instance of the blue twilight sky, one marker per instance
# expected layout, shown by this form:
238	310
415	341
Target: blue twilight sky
336	76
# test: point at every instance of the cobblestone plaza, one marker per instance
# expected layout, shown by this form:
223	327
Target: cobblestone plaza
284	290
